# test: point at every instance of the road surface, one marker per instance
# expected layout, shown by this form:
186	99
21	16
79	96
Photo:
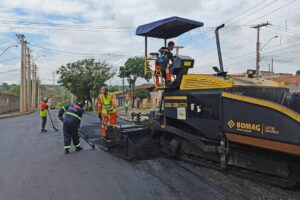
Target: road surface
33	166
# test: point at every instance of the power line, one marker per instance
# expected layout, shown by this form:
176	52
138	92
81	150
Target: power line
63	27
9	59
273	11
229	26
289	30
285	32
254	12
9	71
61	52
242	13
66	25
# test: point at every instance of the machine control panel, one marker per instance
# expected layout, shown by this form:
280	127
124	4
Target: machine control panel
183	62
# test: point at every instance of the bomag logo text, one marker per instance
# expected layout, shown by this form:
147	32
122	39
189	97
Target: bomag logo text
248	126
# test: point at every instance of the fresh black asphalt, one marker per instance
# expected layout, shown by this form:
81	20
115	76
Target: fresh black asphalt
33	166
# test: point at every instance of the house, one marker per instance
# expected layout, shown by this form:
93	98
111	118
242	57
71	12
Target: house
153	101
155	98
144	103
291	81
119	98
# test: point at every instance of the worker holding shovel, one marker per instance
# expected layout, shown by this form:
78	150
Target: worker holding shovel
43	114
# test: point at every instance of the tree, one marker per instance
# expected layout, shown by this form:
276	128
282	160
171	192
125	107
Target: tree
113	88
14	89
85	77
4	87
141	94
133	69
298	72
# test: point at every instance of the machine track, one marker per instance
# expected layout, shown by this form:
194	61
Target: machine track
291	182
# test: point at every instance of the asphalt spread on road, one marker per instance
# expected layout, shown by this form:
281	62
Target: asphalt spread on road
33	166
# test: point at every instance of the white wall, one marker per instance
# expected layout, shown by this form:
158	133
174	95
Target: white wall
293	87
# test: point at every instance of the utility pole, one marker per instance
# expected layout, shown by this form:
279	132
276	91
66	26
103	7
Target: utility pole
38	89
23	94
272	69
29	91
53	73
258	26
286	25
34	85
123	83
25	78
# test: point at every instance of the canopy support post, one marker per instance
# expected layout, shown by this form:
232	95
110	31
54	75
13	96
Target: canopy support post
165	42
145	59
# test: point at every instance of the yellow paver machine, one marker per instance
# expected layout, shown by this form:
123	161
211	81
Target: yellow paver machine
245	125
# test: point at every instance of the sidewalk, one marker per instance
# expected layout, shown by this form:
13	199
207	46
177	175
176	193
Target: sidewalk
13	114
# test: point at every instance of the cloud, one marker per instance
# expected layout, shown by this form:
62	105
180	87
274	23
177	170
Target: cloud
68	30
61	7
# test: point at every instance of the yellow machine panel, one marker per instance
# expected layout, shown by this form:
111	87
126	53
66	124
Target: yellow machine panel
199	81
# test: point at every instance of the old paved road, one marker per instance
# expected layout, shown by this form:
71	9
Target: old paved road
33	166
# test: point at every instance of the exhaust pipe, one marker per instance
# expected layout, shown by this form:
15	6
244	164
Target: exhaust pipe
218	47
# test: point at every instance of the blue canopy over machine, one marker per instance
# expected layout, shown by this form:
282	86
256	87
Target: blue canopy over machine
167	28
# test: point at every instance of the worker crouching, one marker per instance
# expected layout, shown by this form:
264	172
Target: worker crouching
71	123
107	110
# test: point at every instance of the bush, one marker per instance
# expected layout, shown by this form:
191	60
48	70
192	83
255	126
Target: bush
141	94
88	108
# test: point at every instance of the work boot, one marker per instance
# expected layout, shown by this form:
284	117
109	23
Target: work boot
78	149
67	151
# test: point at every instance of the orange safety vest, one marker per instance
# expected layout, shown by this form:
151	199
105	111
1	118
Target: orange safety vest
106	105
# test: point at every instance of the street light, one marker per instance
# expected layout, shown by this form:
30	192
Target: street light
8	48
276	36
258	54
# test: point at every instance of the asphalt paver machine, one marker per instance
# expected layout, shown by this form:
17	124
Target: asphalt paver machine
246	125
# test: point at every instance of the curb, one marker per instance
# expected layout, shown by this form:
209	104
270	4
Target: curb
15	114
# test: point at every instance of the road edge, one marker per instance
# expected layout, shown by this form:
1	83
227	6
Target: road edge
16	114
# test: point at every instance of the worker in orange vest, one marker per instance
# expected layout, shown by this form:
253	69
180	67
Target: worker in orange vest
107	110
43	114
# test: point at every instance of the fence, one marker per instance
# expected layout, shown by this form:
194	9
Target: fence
9	103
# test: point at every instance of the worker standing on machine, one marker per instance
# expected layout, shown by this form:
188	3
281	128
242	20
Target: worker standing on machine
71	120
165	58
43	114
107	109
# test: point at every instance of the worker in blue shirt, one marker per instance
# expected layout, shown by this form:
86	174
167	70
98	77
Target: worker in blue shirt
71	116
163	61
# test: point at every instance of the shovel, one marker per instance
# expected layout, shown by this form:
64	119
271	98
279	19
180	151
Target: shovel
54	128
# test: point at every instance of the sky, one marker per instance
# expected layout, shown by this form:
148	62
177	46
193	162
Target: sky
64	31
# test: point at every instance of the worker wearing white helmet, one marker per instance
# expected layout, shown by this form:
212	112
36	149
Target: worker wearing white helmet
44	113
